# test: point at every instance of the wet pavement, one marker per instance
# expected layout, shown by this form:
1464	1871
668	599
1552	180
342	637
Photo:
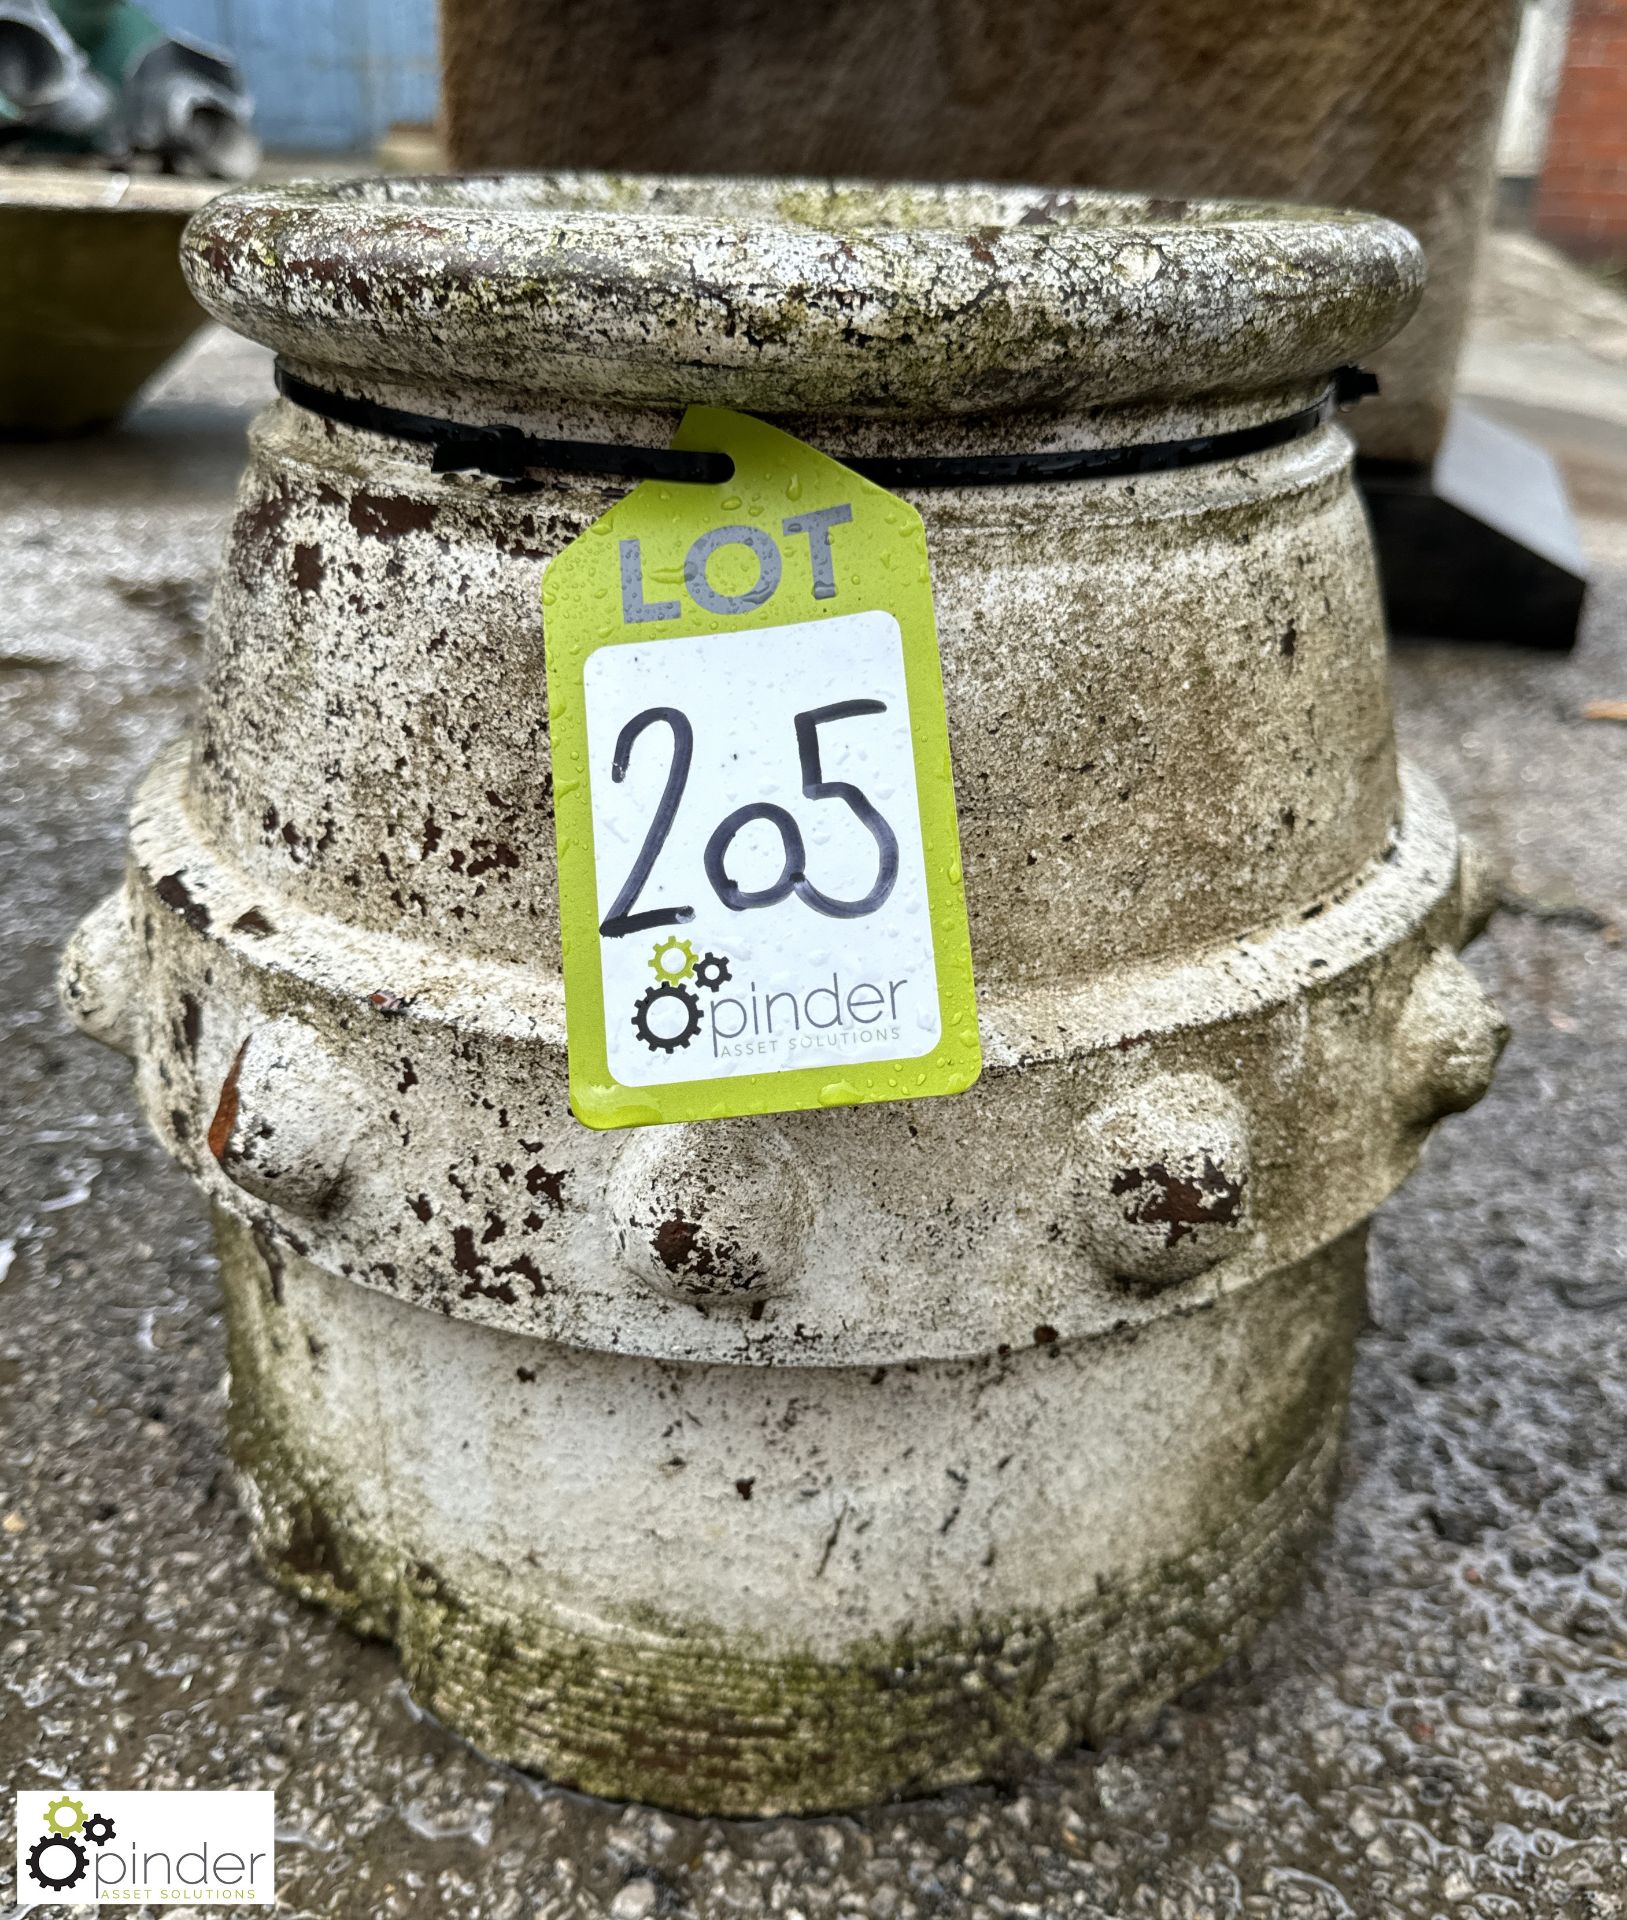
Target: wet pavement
1437	1726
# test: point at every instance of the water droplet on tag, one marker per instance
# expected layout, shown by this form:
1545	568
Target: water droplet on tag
793	487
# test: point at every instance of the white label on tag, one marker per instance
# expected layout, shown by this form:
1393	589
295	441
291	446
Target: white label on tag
793	836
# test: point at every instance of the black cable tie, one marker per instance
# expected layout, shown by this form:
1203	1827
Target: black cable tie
1351	385
508	455
503	452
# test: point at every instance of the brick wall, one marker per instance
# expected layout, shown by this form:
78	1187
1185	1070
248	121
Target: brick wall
1581	200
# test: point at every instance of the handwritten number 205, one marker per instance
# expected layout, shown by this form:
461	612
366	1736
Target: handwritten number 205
793	876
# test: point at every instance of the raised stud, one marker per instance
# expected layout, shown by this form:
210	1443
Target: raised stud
1161	1180
96	979
286	1120
712	1214
1447	1042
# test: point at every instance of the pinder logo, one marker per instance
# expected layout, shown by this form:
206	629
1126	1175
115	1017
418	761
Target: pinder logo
667	1016
196	1849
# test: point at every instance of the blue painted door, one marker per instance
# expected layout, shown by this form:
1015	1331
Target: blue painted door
327	75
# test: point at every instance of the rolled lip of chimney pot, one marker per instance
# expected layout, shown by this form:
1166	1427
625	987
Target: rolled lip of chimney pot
799	296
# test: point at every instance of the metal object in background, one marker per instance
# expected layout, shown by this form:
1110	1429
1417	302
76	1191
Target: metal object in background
1482	545
102	77
92	292
1353	103
45	81
792	1463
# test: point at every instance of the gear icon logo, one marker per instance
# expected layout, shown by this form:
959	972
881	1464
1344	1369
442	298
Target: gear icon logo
667	1016
57	1861
65	1816
672	960
658	1001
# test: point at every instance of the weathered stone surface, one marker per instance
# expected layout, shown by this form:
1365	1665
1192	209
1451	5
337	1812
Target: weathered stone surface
566	291
1011	1413
573	1618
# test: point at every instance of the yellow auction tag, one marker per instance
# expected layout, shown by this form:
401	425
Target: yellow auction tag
759	871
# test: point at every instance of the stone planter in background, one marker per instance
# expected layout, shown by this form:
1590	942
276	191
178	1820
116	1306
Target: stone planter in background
1352	103
94	299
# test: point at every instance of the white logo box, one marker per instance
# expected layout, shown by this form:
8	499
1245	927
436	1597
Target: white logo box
77	1847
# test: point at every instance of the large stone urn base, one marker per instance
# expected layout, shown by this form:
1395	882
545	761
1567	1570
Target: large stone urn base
1110	1522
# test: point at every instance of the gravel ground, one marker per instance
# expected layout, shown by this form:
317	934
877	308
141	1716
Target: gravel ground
1438	1726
